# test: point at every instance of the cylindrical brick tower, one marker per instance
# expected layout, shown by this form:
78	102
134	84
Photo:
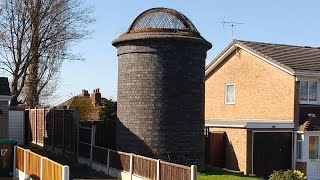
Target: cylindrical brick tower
161	87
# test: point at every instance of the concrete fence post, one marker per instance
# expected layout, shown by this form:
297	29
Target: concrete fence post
14	161
41	168
158	169
131	166
92	143
36	125
78	134
65	173
44	128
25	164
52	128
193	172
94	129
108	161
63	128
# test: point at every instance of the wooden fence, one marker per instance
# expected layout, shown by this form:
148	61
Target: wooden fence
52	128
28	164
104	134
127	165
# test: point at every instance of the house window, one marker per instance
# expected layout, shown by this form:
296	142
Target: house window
309	91
230	93
313	147
299	146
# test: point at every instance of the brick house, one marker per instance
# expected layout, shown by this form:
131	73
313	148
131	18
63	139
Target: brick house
5	97
95	98
256	97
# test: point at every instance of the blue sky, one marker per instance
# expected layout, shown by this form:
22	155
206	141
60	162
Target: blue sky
286	22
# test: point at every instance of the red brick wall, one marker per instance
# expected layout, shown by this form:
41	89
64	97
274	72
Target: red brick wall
302	166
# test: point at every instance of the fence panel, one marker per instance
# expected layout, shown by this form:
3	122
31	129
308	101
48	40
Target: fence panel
145	167
52	127
106	134
49	127
58	129
119	160
85	134
170	171
100	155
34	166
40	126
85	141
84	150
32	126
51	170
33	162
70	132
20	158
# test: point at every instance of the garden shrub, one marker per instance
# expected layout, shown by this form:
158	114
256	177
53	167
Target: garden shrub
287	175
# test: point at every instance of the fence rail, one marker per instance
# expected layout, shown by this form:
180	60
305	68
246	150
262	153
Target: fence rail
127	165
31	165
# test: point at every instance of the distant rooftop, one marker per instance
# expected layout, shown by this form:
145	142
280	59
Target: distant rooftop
4	86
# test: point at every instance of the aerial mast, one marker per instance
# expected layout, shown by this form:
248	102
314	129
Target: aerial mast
232	24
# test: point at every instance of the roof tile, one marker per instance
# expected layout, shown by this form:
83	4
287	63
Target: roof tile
294	57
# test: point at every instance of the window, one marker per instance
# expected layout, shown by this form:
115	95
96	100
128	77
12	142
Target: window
309	91
313	147
299	146
230	93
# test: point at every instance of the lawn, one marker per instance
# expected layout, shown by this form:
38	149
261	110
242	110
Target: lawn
217	173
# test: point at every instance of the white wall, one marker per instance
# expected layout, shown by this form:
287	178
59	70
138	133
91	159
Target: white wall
16	126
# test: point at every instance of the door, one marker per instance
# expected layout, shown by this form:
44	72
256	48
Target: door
313	156
271	151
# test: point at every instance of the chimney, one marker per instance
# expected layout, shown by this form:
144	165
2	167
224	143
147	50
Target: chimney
96	97
85	93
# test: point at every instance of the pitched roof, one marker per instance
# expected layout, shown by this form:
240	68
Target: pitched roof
288	57
4	86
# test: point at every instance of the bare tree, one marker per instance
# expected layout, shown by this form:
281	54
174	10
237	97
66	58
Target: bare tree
35	37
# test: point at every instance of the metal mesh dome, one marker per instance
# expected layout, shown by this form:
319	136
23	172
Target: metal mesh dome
162	20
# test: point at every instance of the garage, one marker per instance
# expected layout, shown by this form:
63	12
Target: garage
271	151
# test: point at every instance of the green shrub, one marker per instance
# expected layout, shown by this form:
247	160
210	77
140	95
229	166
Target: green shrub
287	175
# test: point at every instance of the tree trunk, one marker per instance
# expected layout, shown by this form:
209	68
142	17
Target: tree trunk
32	97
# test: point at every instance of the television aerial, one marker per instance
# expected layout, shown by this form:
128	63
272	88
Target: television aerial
232	24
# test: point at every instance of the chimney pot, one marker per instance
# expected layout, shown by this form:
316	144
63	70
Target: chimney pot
96	97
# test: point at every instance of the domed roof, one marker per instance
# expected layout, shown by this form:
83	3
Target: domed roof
163	20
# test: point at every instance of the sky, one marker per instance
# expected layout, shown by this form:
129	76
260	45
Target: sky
286	22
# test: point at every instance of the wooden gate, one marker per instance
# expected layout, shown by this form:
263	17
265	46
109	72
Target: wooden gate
215	154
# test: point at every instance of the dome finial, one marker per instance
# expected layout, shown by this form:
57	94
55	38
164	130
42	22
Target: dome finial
163	20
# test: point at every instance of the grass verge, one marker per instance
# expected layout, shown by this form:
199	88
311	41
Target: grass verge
209	173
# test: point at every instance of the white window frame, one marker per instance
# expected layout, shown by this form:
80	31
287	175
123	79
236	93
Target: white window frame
299	141
225	93
318	91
